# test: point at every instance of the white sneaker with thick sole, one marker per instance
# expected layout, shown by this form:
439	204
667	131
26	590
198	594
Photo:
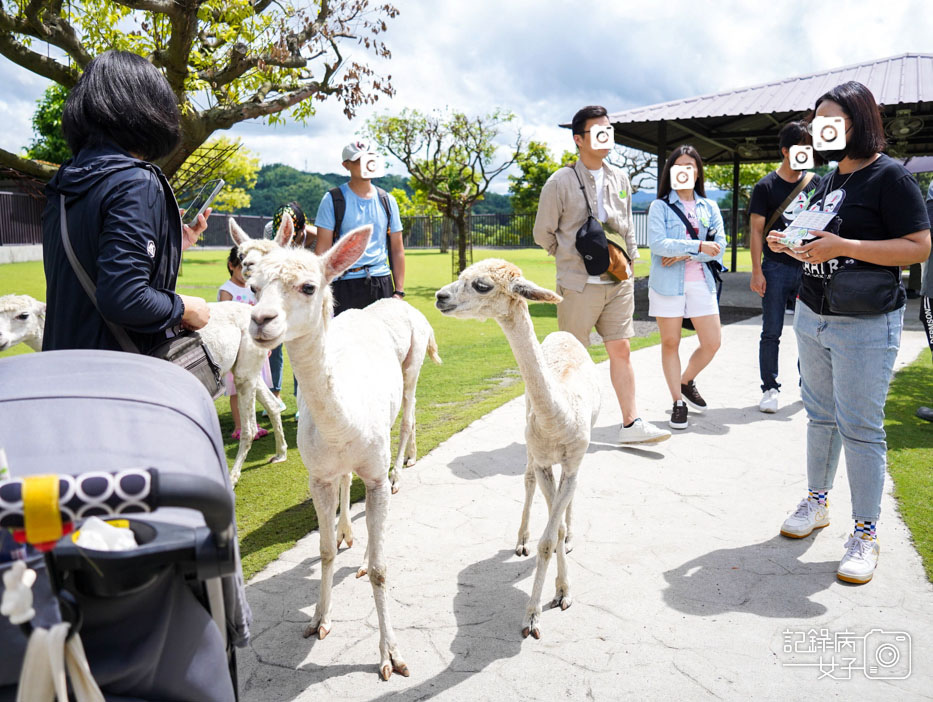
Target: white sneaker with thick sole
642	432
769	401
808	516
861	559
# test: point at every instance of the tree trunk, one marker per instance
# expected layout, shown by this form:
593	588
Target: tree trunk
445	235
462	233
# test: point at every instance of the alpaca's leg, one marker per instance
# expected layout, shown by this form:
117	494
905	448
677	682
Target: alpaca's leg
267	400
324	496
407	451
245	391
377	509
521	548
548	543
568	537
562	597
344	528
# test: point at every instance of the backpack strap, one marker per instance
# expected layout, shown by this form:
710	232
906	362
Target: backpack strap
340	207
384	199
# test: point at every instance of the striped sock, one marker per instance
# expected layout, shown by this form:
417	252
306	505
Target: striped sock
818	496
865	529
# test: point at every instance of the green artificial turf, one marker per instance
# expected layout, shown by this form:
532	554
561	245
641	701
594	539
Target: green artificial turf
910	452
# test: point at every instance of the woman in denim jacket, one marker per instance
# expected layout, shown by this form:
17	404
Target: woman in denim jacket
680	283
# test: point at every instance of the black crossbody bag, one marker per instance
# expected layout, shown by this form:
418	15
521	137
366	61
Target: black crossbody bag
185	349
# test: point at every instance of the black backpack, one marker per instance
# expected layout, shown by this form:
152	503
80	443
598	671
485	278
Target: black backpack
340	208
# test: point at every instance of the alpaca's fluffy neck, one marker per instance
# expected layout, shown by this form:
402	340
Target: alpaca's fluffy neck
314	370
540	387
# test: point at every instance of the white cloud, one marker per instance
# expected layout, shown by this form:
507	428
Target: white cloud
543	60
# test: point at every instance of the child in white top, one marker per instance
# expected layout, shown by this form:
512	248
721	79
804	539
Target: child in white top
237	290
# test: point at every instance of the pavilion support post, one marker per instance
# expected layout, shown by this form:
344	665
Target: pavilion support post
735	211
662	146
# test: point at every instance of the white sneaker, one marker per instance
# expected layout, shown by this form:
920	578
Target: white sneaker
860	561
808	516
642	432
769	401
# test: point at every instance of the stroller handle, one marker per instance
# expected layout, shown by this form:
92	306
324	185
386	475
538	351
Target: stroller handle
30	503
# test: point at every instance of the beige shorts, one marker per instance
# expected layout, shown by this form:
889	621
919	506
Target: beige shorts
607	307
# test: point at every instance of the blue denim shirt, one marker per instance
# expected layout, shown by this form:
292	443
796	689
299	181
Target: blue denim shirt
667	236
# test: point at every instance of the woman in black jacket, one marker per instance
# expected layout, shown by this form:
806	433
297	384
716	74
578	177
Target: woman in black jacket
123	221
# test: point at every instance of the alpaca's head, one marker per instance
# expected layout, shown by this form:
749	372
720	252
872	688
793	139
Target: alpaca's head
490	288
292	287
22	319
251	250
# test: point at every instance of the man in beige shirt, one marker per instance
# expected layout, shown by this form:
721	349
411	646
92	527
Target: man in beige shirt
601	301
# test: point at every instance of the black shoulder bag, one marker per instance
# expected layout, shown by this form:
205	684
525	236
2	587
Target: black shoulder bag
185	349
591	240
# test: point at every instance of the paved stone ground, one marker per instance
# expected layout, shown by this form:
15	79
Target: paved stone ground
682	585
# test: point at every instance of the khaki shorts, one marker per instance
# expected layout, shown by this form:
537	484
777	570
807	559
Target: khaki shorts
609	308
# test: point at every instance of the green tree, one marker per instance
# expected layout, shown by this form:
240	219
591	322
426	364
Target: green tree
449	157
536	165
720	176
225	60
49	143
415	205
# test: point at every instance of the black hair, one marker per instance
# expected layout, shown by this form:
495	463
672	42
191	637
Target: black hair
578	125
122	98
793	134
233	259
664	182
867	128
294	211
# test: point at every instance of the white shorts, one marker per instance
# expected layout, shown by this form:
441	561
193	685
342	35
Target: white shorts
697	301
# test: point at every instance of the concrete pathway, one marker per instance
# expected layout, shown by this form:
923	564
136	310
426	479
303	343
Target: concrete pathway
682	585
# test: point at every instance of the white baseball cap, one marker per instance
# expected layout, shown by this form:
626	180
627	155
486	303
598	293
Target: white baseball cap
354	150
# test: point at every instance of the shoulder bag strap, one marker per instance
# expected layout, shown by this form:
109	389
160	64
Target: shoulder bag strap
804	182
119	333
586	199
340	206
693	233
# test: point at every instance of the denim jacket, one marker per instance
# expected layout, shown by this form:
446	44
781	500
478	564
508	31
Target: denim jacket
667	236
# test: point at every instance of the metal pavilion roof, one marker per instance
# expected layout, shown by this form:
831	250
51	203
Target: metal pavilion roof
746	121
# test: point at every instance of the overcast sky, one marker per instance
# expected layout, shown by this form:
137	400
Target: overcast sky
544	59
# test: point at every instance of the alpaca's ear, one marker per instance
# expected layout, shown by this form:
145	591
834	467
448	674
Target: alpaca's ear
286	230
532	292
346	252
237	235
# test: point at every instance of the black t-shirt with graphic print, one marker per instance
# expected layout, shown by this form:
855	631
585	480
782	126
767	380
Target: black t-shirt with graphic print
769	194
881	201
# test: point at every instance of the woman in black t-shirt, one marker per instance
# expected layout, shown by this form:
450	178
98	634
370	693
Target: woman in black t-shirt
846	361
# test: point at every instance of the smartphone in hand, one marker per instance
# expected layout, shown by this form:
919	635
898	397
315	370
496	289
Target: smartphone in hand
201	201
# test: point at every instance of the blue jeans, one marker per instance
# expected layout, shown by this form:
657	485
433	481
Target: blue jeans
276	364
845	369
781	281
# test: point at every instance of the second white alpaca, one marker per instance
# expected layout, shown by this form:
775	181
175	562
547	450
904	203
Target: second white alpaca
22	320
562	401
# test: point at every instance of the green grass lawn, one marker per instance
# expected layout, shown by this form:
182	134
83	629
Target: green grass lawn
910	453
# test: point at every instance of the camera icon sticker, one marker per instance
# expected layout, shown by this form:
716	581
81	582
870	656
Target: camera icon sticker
683	177
829	133
371	165
602	136
801	158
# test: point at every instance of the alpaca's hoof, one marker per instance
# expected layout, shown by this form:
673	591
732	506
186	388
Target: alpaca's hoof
521	548
278	459
316	628
322	633
568	544
361	572
350	542
561	600
410	461
386	671
533	630
400	668
395	489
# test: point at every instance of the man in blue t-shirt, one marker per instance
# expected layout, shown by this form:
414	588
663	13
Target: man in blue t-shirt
370	279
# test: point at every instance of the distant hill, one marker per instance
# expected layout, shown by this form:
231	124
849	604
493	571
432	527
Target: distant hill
277	184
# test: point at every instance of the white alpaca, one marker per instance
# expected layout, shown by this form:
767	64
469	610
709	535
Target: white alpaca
22	320
227	337
352	364
562	401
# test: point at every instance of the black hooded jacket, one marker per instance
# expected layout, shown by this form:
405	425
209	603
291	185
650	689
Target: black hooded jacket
125	230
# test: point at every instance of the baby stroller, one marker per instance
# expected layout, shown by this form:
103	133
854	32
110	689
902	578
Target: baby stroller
137	437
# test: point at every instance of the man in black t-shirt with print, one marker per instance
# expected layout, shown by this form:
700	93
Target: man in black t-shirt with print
778	276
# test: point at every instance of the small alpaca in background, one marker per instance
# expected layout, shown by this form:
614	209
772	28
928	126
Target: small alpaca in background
22	320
